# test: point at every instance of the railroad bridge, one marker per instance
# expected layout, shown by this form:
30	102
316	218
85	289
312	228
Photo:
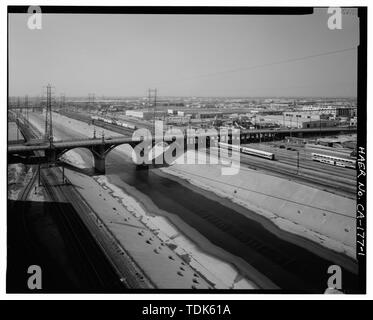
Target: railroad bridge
40	151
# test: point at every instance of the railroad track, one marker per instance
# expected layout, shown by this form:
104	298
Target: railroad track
331	174
285	157
343	175
101	124
126	269
27	189
97	270
327	177
102	272
114	127
255	163
324	182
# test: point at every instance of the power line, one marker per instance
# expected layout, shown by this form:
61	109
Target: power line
240	69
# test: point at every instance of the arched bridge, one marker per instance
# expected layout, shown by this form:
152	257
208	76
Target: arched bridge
36	152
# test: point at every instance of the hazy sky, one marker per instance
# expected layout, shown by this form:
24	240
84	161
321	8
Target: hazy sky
124	55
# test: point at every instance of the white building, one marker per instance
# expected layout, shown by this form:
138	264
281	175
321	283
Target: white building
146	115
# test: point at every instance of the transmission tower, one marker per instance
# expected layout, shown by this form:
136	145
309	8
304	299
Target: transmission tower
48	132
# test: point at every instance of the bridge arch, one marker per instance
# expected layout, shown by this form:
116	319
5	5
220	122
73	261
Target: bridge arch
155	155
125	148
73	157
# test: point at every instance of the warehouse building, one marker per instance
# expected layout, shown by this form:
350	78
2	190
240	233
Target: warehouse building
319	124
146	115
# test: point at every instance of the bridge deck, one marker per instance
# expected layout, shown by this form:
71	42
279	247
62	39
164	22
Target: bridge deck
81	143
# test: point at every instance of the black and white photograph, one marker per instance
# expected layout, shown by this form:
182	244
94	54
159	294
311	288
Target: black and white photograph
186	150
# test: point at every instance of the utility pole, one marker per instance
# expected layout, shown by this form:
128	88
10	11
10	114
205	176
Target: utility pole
18	113
297	161
38	104
155	105
320	126
26	106
19	107
260	134
39	167
48	131
62	101
154	92
17	122
91	100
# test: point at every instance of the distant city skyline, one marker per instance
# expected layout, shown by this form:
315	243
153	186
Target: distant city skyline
144	96
240	56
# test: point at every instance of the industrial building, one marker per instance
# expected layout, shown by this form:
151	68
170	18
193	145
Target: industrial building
146	115
319	124
346	112
209	115
295	120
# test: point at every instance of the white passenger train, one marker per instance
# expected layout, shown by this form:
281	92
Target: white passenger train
249	151
116	122
335	161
